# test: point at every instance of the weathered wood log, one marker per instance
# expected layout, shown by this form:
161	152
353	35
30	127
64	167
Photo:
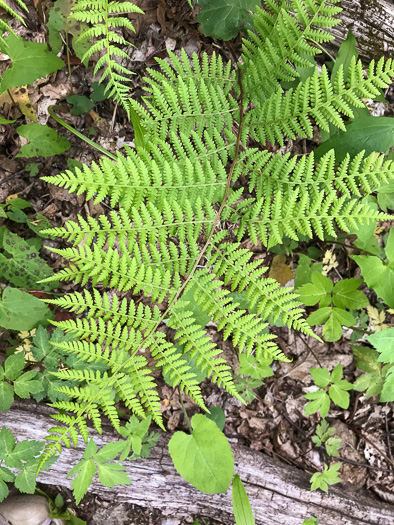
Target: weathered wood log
279	493
371	22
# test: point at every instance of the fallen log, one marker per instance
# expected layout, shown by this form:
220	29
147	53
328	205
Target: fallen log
371	22
279	493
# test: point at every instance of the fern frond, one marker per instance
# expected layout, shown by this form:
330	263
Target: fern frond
280	42
264	295
181	100
272	174
289	215
316	100
189	167
102	15
170	360
175	198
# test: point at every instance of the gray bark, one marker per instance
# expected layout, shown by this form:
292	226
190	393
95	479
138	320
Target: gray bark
372	23
279	493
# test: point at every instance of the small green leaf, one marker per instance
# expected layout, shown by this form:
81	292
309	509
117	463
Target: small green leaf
388	387
339	396
346	295
108	452
333	445
14	365
241	505
321	376
26	385
336	374
22	264
5	121
203	458
81	104
7	443
112	474
25	481
218	416
21	311
223	19
44	141
320	316
99	92
82	482
25	450
383	341
345	54
322	403
6	396
321	480
368	134
30	60
314	292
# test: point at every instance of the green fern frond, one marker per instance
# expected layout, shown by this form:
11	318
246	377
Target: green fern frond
290	215
280	42
270	174
183	100
102	14
264	295
189	195
199	344
316	100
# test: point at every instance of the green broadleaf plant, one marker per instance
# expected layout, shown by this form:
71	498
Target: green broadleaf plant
324	434
20	263
30	60
336	392
44	141
110	474
223	19
378	378
21	311
329	476
332	299
22	456
378	273
203	458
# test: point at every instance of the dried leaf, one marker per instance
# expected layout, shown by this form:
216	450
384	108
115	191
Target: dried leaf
280	270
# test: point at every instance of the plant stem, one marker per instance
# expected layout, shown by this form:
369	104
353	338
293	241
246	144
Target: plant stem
185	413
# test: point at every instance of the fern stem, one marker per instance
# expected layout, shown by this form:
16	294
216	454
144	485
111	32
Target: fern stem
69	65
51	111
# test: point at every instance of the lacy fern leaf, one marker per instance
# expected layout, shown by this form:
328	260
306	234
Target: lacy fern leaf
184	201
105	17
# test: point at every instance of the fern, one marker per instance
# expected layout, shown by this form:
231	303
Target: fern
3	25
105	16
181	209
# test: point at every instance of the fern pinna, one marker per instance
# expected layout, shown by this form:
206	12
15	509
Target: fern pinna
196	185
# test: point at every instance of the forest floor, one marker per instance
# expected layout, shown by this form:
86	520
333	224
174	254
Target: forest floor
274	422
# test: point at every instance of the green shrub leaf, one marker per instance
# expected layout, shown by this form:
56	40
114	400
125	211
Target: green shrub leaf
21	311
383	341
203	458
223	19
44	141
30	60
367	133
